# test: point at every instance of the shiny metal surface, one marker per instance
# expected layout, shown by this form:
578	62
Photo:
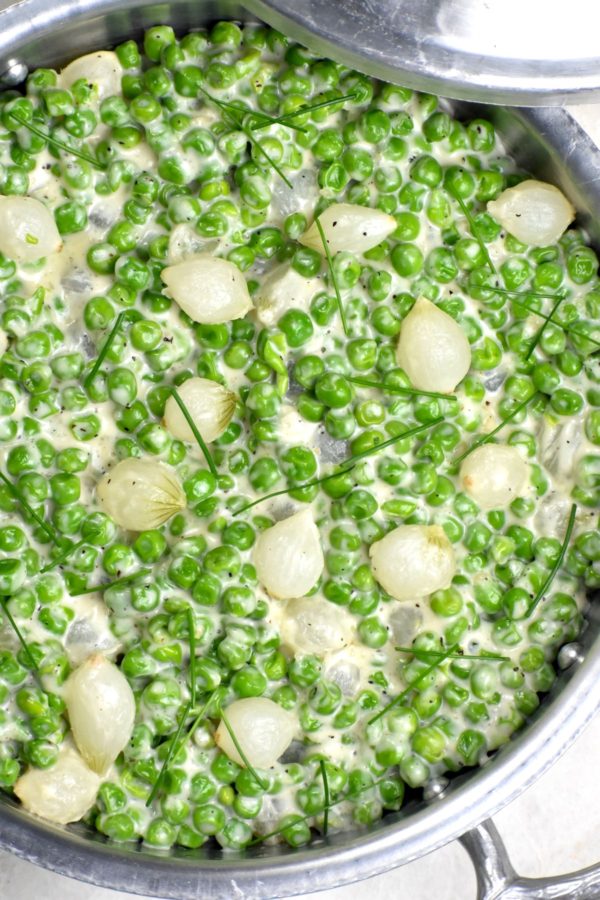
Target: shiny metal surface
537	52
526	52
549	143
497	879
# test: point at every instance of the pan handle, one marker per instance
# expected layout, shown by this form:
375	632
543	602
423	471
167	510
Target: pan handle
498	880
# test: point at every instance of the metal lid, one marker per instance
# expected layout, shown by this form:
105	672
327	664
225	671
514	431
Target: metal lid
522	52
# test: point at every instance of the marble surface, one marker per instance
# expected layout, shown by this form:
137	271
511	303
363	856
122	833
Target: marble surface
551	829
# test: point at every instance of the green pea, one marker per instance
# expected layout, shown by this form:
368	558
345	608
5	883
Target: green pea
582	264
471	745
304	671
225	770
117	826
263	400
437	126
407	259
447	602
297	327
487	356
566	402
482	137
360	504
298	464
41	754
426	170
333	390
65	488
12	575
122	386
307	370
458	182
358	163
372	632
429	742
249	682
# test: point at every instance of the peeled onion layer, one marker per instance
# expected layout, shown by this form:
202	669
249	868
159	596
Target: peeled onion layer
208	289
101	709
350	227
413	561
27	229
284	289
210	405
288	556
139	494
433	349
102	70
494	475
534	212
63	793
263	729
314	625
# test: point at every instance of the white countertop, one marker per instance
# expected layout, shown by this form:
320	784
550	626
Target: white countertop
551	829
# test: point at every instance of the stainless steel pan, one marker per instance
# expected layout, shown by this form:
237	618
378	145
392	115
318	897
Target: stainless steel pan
545	141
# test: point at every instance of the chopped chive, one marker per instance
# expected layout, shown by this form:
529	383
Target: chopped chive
538	335
199	439
59	144
231	110
416	652
192	643
467	214
264	153
517	296
68	552
348	795
294	487
306	108
17	631
347	464
242	755
487	437
141	573
45	526
410	432
338	296
64	556
265	119
415	683
323	768
540	294
396	389
172	747
557	564
106	347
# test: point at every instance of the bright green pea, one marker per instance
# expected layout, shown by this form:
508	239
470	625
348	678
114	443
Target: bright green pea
582	264
566	402
297	327
487	356
249	682
333	390
358	163
426	170
41	754
102	258
458	182
298	464
65	488
372	632
407	259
